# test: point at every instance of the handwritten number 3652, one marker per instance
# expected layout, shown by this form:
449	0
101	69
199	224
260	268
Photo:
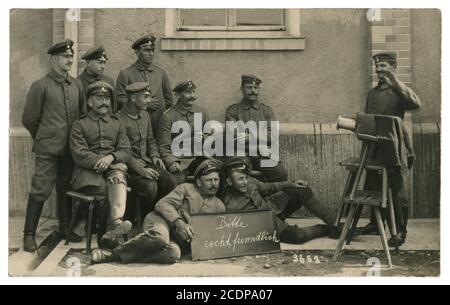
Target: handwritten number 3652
306	260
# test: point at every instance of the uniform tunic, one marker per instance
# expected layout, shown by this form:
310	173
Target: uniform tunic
91	139
53	103
159	86
165	136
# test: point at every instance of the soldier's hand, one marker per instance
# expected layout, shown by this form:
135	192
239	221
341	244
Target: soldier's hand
390	78
184	231
103	163
154	104
113	180
151	174
302	184
175	167
298	184
158	162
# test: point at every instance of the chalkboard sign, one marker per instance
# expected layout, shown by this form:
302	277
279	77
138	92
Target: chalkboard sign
233	234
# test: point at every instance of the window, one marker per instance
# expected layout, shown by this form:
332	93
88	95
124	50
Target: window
232	29
231	20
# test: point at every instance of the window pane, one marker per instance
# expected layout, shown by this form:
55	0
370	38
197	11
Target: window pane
212	17
259	17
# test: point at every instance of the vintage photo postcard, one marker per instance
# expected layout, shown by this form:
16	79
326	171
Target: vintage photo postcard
224	142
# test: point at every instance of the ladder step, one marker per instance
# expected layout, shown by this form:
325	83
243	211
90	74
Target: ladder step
365	198
353	164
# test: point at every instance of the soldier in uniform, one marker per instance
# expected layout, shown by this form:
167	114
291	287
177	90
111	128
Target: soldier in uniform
53	103
96	60
167	232
390	97
182	111
148	174
144	70
242	192
101	149
251	109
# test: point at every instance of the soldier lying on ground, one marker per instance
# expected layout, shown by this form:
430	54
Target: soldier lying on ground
167	232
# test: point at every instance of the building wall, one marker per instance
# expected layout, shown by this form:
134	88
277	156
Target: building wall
426	63
328	78
29	42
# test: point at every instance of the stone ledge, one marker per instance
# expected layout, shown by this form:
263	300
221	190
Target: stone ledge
234	44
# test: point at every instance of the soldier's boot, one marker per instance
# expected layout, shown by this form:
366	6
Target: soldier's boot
372	227
64	215
102	222
33	214
117	197
295	235
100	256
401	230
322	211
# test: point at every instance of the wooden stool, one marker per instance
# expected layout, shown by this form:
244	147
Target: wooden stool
354	200
77	199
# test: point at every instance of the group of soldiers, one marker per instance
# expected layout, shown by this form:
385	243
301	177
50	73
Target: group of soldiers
99	138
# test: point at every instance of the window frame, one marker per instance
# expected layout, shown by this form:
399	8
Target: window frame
231	20
264	39
291	28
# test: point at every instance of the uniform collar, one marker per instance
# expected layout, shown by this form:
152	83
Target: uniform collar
104	118
181	109
58	77
382	86
138	64
130	115
90	78
248	104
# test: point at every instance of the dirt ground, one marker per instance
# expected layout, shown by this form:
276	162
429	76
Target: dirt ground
302	263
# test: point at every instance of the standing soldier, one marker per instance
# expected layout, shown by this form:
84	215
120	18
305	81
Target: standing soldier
390	97
147	170
144	70
53	103
96	61
101	149
251	109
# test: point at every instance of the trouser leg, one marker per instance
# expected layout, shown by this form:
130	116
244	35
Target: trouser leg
316	207
169	254
297	198
155	236
147	189
166	182
277	173
43	181
64	174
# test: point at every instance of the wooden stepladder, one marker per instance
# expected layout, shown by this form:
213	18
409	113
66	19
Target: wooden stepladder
354	200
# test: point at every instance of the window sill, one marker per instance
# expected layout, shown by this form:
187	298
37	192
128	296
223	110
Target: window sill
232	43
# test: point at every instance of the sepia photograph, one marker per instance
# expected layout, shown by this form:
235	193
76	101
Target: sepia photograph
224	142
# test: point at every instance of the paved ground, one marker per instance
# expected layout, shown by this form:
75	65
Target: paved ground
419	257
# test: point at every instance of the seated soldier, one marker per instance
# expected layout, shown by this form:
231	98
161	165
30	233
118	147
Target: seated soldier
167	231
182	112
242	192
250	109
100	149
148	174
